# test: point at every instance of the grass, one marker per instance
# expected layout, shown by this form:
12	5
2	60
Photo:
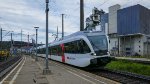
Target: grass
124	65
147	57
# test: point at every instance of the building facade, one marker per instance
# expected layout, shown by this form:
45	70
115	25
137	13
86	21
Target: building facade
128	29
129	32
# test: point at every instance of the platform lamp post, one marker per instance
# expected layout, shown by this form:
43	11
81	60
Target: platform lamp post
46	71
31	48
36	59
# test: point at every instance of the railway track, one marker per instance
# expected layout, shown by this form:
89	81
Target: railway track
6	66
122	77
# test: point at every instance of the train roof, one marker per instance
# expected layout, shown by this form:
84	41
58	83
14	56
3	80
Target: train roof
83	33
79	33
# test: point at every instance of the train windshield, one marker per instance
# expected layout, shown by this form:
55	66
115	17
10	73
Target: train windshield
99	44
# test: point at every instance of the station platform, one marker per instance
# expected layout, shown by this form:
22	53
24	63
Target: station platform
30	72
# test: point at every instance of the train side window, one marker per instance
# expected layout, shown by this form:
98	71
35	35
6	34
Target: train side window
59	50
44	50
80	46
71	47
56	50
53	50
50	52
66	45
75	47
84	48
41	51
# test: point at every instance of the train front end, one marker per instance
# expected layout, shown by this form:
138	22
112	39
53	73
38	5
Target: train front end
100	54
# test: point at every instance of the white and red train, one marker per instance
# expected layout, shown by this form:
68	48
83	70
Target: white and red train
80	49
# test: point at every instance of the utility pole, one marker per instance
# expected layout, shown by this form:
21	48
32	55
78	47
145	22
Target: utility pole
1	38
36	59
81	15
21	42
57	33
28	44
62	26
46	71
11	44
1	34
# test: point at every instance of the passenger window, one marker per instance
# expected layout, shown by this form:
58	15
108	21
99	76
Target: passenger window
59	51
84	48
67	48
78	46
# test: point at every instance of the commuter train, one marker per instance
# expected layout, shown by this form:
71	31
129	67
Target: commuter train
81	49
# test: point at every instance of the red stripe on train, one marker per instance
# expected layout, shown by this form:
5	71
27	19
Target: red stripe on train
63	55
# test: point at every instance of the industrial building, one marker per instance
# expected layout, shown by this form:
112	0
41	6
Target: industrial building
128	30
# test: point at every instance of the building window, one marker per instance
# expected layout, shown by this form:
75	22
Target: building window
139	50
139	46
139	41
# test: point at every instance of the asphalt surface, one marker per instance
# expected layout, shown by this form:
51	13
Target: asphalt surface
31	72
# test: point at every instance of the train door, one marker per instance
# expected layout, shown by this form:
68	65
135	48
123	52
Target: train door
76	53
69	52
82	53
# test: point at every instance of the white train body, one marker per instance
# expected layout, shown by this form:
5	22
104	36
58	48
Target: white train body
80	49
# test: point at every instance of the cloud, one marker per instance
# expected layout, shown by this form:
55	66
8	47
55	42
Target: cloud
25	14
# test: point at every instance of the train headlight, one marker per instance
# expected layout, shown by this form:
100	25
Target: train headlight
93	54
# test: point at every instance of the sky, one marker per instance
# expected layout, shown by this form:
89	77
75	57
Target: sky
27	14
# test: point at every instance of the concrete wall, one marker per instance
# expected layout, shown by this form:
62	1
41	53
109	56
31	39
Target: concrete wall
113	18
113	48
130	45
138	45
